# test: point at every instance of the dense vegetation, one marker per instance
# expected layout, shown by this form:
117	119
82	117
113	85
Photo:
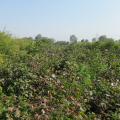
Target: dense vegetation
42	80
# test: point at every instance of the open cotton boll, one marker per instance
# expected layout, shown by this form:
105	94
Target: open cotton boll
53	75
107	95
112	84
52	109
117	80
91	93
98	80
43	112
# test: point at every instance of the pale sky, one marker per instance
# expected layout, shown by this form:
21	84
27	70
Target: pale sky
59	19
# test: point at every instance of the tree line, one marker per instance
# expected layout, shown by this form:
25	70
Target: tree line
73	39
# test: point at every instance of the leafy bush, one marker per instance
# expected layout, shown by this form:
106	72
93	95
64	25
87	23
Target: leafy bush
75	81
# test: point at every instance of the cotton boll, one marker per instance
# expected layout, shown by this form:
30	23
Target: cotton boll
53	75
107	95
117	80
52	109
91	93
43	112
112	84
98	80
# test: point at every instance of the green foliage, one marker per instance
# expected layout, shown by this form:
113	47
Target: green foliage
30	38
61	43
1	60
46	40
40	80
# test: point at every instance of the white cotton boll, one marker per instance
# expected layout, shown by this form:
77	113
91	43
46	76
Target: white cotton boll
98	80
107	95
112	84
48	92
50	79
85	100
91	93
52	109
53	75
117	80
43	112
78	78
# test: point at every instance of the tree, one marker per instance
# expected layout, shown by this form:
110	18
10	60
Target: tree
86	40
102	38
30	38
94	40
38	37
73	39
82	40
52	40
119	40
61	43
45	40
